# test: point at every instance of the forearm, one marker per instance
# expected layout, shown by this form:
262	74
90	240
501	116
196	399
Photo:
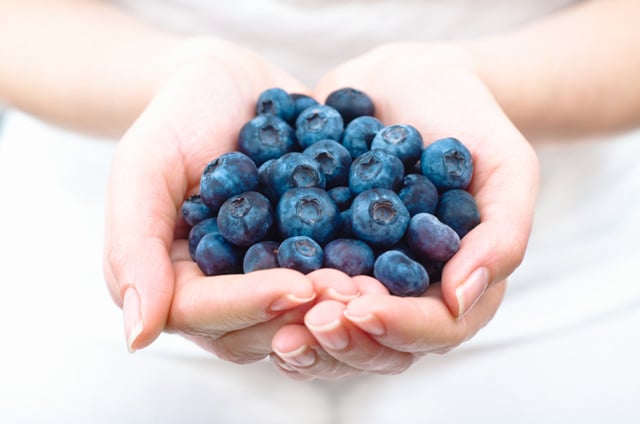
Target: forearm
82	64
575	73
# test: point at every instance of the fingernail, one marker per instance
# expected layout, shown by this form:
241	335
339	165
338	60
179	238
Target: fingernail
301	357
369	323
471	289
289	301
332	336
132	318
341	297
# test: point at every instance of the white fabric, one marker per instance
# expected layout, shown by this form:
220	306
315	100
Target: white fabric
563	347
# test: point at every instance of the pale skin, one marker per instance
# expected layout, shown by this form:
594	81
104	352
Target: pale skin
175	103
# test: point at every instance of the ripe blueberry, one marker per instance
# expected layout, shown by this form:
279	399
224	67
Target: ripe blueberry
351	103
351	256
266	137
318	123
245	219
308	212
400	274
448	164
431	239
300	253
230	174
458	209
379	217
375	169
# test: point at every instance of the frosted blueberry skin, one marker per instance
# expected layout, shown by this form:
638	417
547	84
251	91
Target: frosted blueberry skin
230	174
418	194
262	255
266	137
334	160
277	102
400	274
359	134
351	256
351	103
308	212
300	253
245	219
431	239
448	164
404	141
342	196
459	210
295	170
317	123
375	169
216	256
302	102
194	211
379	218
201	229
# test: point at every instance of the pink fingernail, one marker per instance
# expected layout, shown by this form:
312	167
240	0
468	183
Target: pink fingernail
301	357
469	292
289	301
132	317
369	323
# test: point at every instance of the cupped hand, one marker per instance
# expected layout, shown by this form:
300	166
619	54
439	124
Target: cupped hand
435	89
195	116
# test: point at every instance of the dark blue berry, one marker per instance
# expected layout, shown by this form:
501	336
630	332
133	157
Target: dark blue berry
295	170
351	103
351	256
359	134
308	212
375	169
230	174
318	123
342	196
194	211
334	160
201	229
262	255
431	239
300	253
418	194
379	217
216	256
404	141
277	102
448	164
302	102
245	219
266	137
458	209
400	274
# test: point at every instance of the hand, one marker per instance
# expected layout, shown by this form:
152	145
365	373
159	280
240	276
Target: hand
195	117
435	89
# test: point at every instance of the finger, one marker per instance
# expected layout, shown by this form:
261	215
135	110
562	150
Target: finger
214	306
297	349
333	284
421	324
351	346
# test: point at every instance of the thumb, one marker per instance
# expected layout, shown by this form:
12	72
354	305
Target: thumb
142	204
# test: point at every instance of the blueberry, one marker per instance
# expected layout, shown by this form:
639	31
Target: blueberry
359	134
458	209
215	256
448	164
277	102
245	219
230	174
351	256
342	196
346	230
318	123
431	239
400	274
351	103
300	253
418	194
403	141
308	212
266	137
201	229
265	185
375	169
434	270
379	217
302	102
295	170
334	160
194	211
262	255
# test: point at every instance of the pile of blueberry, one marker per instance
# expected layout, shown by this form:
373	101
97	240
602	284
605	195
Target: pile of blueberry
328	185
